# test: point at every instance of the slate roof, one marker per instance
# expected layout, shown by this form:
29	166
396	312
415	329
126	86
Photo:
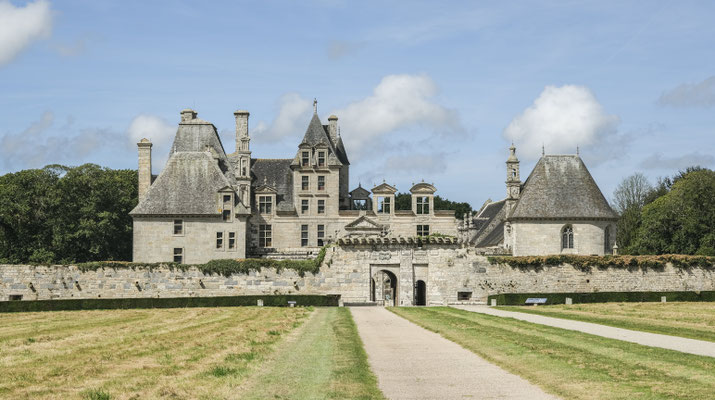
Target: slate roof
187	185
561	187
494	237
317	135
341	153
490	224
277	174
199	135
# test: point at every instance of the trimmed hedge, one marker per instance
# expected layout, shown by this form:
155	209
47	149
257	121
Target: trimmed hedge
518	299
331	300
588	262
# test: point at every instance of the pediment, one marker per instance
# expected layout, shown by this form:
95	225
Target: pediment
423	187
364	223
265	189
384	188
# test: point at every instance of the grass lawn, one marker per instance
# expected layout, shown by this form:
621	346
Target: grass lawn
570	364
186	353
324	360
688	319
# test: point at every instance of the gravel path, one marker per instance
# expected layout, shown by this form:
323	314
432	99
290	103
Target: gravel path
684	345
413	363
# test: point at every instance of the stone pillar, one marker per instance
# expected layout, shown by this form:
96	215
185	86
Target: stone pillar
241	130
333	128
407	279
144	148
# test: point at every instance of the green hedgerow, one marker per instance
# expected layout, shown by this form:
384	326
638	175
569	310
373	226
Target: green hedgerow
588	262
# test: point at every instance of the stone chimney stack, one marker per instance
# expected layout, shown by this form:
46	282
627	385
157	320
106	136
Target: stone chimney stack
144	147
242	137
187	115
333	128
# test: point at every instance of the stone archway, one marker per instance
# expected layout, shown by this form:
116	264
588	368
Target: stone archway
385	288
420	293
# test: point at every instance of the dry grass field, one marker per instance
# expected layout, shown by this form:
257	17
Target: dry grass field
137	354
688	319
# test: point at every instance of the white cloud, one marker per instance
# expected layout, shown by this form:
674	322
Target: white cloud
562	118
700	94
397	102
20	26
151	127
659	161
293	116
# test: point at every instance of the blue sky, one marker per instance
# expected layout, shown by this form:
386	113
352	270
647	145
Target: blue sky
423	90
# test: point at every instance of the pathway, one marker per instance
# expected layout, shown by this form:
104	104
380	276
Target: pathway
684	345
413	363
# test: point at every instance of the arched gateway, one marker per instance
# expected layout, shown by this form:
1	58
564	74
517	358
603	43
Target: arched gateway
384	287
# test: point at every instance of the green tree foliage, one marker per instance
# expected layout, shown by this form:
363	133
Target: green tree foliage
628	200
403	201
67	214
683	220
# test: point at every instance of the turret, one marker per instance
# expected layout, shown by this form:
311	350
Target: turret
243	150
513	182
144	171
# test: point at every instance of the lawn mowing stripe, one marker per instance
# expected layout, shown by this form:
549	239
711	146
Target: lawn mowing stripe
572	364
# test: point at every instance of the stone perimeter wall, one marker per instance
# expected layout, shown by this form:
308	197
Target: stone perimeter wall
446	270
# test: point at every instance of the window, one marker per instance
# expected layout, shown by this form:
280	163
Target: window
232	240
304	208
321	206
264	236
422	205
422	230
178	227
321	158
305	159
567	237
360	204
305	183
383	205
607	240
321	183
219	240
464	296
321	235
303	235
227	205
15	297
244	170
265	204
178	255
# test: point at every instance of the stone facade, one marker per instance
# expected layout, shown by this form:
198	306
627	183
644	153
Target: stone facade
360	273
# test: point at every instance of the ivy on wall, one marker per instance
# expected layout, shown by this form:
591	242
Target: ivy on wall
588	262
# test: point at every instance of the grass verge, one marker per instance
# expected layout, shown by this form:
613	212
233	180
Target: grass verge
325	361
687	319
195	353
570	364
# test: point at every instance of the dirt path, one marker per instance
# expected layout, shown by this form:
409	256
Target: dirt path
684	345
413	363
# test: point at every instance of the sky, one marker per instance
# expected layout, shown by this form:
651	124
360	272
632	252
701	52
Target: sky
424	90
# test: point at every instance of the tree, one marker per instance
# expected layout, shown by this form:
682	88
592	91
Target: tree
628	200
403	201
683	220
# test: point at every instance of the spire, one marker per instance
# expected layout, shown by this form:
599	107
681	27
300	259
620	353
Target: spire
543	152
576	149
512	155
315	106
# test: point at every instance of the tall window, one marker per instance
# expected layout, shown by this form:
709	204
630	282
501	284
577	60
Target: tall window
383	205
178	227
321	158
607	240
305	182
304	206
219	240
227	207
264	236
321	235
304	235
321	206
265	204
422	205
178	255
232	240
422	230
567	237
305	159
321	183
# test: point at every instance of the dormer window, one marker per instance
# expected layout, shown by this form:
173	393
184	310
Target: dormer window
321	158
422	205
265	204
305	159
227	207
383	205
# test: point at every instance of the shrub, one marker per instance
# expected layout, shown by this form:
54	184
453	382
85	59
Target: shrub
518	299
588	262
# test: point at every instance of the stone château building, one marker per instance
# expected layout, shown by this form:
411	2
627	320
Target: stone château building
207	204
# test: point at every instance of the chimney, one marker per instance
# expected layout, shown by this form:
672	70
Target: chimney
144	147
187	115
241	130
333	128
